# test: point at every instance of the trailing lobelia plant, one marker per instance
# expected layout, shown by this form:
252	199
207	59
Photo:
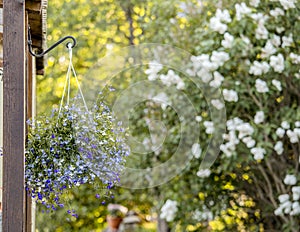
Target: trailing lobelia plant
70	148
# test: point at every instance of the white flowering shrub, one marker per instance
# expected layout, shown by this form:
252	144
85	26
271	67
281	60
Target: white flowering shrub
250	50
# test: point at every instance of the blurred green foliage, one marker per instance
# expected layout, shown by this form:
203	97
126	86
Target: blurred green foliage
102	25
236	189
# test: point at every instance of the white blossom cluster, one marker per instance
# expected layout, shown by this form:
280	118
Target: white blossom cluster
162	99
289	204
285	129
261	31
202	173
238	131
295	58
205	66
169	210
171	78
261	86
228	40
259	117
277	12
196	150
259	68
277	84
230	95
153	70
218	104
290	179
241	10
288	4
204	215
276	62
254	3
209	63
209	125
268	50
217	80
258	152
219	21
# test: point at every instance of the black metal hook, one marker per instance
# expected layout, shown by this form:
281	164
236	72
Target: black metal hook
53	46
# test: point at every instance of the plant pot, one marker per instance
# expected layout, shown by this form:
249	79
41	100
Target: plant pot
114	222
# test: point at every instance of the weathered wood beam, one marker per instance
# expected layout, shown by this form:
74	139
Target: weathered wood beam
13	115
34	6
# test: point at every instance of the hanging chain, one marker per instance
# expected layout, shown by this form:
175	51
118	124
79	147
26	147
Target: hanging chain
67	84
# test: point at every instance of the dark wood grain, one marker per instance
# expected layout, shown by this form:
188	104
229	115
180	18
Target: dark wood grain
30	113
13	115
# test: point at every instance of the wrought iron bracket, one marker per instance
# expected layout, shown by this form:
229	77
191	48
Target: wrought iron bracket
50	48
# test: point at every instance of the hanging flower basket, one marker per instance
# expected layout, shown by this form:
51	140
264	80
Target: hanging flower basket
72	147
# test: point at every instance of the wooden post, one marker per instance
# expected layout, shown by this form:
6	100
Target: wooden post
30	113
13	115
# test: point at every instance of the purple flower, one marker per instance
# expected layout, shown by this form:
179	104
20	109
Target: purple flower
40	196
